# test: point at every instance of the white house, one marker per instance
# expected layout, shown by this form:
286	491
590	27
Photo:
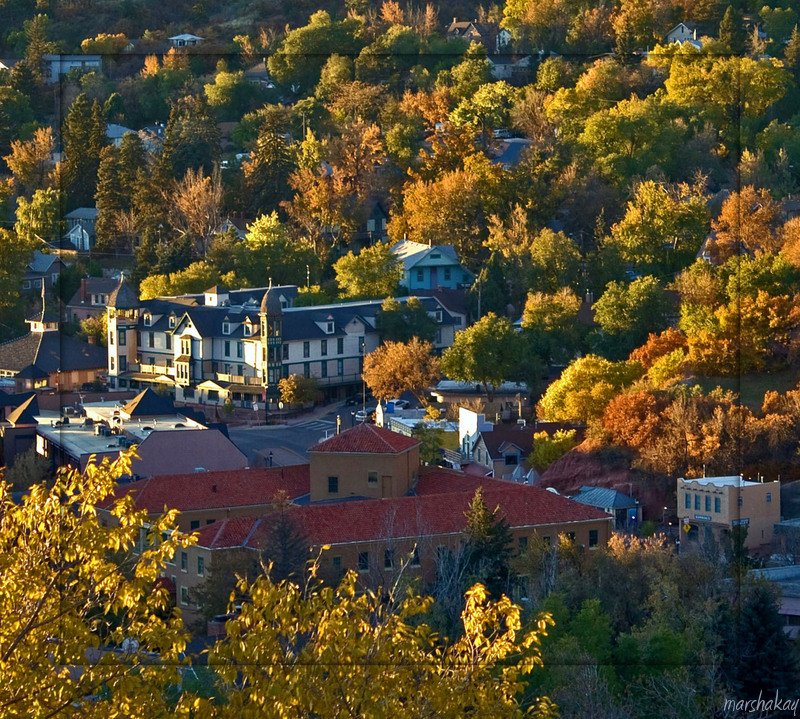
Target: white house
56	66
185	40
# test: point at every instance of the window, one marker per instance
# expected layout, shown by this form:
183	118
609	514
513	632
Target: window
447	274
340	367
195	524
415	557
571	536
226	328
697	502
329	328
147	320
239	351
511	460
306	369
285	351
438	336
740	500
123	363
171	320
122	338
186	345
26	285
184	595
184	561
593	538
110	336
201	566
227	350
708	503
388	559
168	341
523	544
340	346
363	561
306	349
420	275
372	478
333	485
687	500
337	563
717	504
151	339
361	344
324	372
210	521
111	363
323	347
769	497
370	225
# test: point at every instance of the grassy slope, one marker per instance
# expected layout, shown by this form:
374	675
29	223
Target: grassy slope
753	387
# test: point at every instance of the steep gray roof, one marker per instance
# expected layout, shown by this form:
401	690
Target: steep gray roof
50	352
604	497
26	412
123	297
149	404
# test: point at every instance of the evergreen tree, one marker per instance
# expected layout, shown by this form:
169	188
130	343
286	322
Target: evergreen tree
110	199
792	54
83	136
132	159
732	33
488	546
37	45
191	138
757	655
267	171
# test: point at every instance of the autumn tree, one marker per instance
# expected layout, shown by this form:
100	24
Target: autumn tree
555	262
484	353
298	390
585	388
197	207
552	322
30	160
480	671
397	367
373	272
89	587
748	221
40	219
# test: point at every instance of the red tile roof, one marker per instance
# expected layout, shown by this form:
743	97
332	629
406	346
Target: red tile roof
438	480
427	515
211	490
366	439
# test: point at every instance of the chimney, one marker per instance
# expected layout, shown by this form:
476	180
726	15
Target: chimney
338	423
84	295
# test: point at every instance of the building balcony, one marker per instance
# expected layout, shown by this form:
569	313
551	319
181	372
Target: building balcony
237	379
156	369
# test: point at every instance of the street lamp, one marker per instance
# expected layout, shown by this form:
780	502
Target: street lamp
269	457
363	344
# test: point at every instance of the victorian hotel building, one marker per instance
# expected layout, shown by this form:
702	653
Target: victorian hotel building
235	345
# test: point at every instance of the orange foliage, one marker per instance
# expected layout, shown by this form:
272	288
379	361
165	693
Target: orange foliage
658	345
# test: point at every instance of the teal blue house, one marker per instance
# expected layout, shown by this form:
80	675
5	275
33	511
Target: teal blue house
430	267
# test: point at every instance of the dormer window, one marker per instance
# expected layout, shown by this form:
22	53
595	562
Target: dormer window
248	329
329	328
438	315
172	320
226	328
147	319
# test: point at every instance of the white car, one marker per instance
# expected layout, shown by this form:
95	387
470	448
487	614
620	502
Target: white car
361	416
400	403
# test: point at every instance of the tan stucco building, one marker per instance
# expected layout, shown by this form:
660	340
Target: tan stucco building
713	506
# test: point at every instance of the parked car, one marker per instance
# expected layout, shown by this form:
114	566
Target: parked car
400	403
361	415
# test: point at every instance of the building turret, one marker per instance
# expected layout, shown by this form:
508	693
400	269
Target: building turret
123	320
271	315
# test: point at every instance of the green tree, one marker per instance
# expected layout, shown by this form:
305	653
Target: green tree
488	108
548	448
213	595
269	252
400	321
29	469
303	52
431	442
96	328
373	272
661	231
16	117
585	387
83	135
191	138
40	219
732	33
267	170
110	199
551	320
626	314
556	262
488	547
231	94
195	278
486	353
285	550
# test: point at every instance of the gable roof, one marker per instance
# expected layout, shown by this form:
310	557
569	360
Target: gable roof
412	253
213	490
25	413
41	262
92	286
366	439
82	213
180	451
501	436
149	404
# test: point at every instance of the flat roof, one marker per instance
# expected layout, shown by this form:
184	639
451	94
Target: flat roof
731	481
78	439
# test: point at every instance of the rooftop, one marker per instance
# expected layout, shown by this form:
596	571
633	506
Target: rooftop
731	481
366	439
